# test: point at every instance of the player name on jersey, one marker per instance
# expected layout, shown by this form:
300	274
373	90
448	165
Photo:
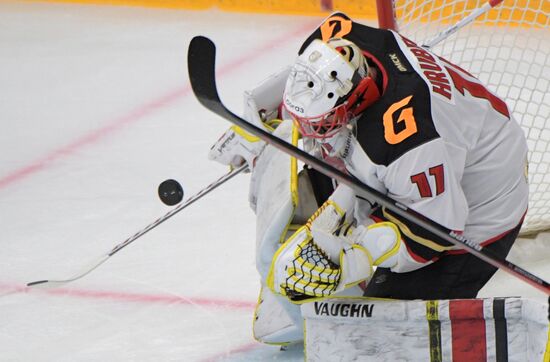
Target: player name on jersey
432	70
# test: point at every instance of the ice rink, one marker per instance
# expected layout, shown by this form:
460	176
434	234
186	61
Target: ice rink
96	110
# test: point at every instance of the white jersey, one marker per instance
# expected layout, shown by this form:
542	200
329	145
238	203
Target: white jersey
437	141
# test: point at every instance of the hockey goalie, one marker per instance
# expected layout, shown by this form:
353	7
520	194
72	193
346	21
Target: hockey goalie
403	121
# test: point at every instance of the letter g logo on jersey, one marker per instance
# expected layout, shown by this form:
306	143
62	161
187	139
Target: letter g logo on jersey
405	115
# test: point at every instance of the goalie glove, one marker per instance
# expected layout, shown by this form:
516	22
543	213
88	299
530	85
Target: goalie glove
324	257
382	240
302	270
316	261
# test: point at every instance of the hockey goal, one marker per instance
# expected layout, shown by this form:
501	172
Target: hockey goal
508	49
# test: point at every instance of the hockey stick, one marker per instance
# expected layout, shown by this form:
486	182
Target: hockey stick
139	234
201	62
462	23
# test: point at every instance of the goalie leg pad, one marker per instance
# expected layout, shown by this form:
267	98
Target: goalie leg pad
275	201
276	320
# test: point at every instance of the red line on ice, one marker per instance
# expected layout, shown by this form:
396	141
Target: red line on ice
139	113
94	136
6	289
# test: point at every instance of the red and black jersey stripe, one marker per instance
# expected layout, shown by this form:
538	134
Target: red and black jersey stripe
421	244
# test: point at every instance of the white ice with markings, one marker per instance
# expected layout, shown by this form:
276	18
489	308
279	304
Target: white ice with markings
96	110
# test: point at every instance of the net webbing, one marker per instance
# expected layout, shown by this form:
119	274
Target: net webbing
508	49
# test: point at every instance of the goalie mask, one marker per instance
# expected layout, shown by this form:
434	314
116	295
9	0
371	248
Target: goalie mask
327	86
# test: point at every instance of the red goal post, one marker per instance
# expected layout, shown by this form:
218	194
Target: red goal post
508	49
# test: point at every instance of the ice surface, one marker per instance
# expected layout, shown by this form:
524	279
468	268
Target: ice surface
96	110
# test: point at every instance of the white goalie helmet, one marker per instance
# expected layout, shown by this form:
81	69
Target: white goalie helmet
327	86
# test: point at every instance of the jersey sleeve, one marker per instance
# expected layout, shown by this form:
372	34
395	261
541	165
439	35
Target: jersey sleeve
424	180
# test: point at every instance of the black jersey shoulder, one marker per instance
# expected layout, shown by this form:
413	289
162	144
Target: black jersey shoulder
402	82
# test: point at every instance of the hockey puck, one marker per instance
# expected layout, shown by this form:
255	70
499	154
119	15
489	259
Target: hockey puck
170	192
